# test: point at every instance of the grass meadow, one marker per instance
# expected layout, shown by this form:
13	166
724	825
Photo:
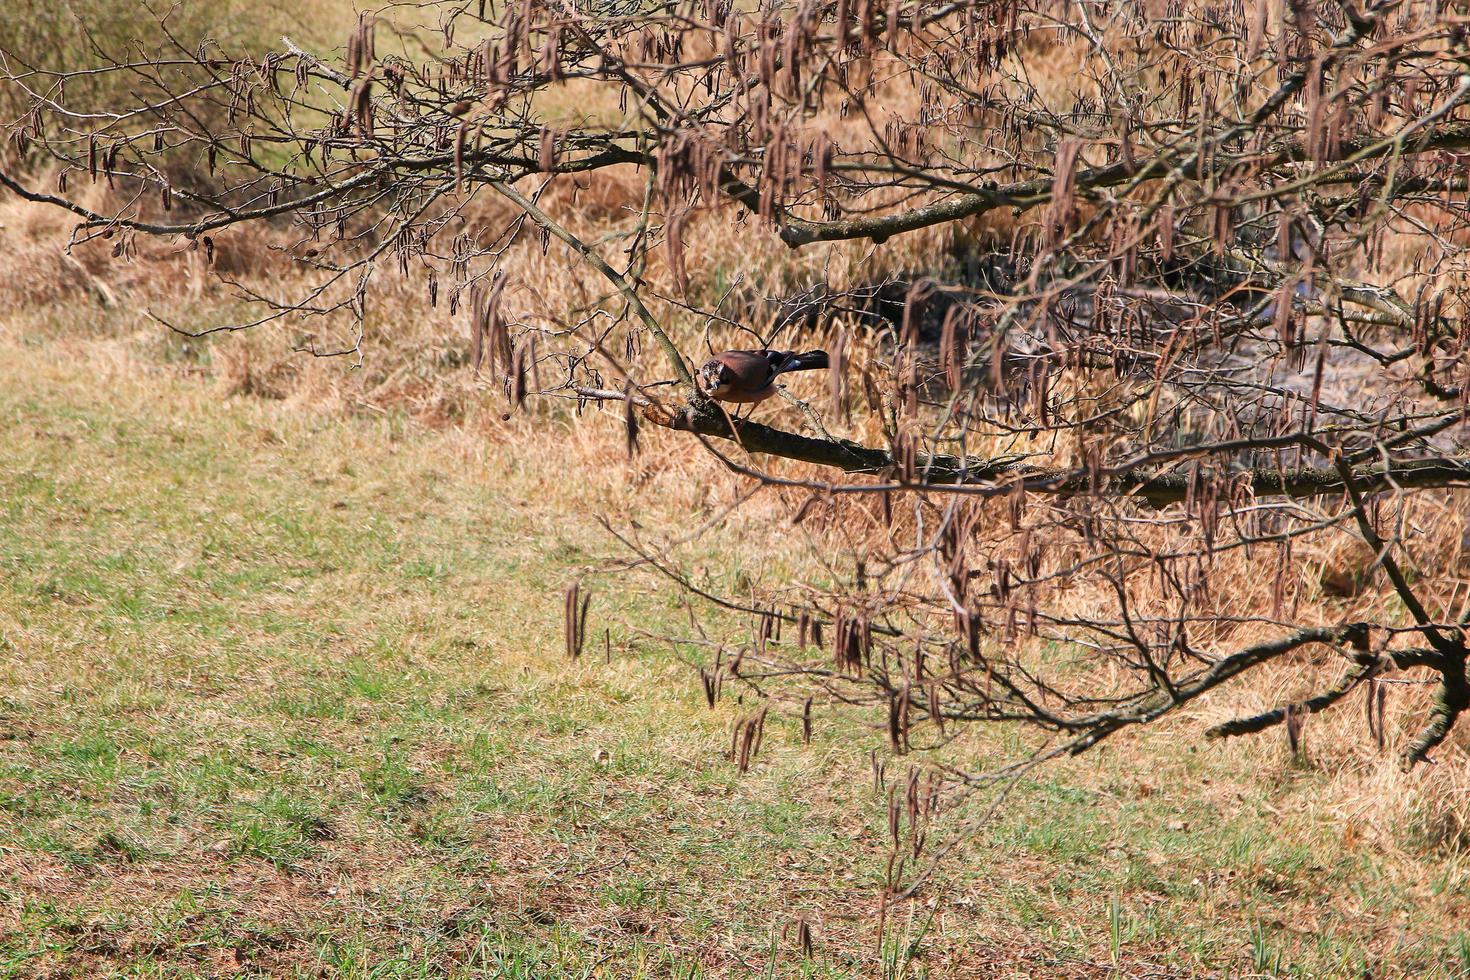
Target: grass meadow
284	690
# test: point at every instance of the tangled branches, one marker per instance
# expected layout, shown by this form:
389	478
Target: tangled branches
1209	313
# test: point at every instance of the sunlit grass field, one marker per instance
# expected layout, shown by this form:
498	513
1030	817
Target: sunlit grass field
284	689
285	692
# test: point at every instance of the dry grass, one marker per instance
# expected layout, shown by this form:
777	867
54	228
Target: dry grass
284	695
283	691
69	33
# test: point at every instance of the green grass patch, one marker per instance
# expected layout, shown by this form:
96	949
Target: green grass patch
286	694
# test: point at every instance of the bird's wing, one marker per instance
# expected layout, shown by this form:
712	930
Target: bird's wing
782	360
752	368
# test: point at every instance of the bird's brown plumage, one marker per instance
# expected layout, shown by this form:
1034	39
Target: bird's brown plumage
749	376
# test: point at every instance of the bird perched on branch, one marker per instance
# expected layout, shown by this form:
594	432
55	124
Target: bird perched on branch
749	376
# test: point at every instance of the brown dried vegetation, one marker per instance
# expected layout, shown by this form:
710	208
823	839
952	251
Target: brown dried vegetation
1150	358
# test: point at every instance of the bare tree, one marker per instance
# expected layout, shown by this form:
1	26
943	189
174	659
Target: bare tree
1211	303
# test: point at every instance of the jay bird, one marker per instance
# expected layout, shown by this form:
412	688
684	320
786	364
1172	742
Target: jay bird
749	376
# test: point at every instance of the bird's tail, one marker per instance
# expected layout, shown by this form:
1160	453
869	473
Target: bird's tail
812	360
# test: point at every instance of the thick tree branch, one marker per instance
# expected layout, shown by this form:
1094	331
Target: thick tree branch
1450	700
1159	488
1398	660
1025	195
1157	704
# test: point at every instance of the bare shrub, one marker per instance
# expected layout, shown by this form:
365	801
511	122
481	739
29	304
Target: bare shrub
1153	371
